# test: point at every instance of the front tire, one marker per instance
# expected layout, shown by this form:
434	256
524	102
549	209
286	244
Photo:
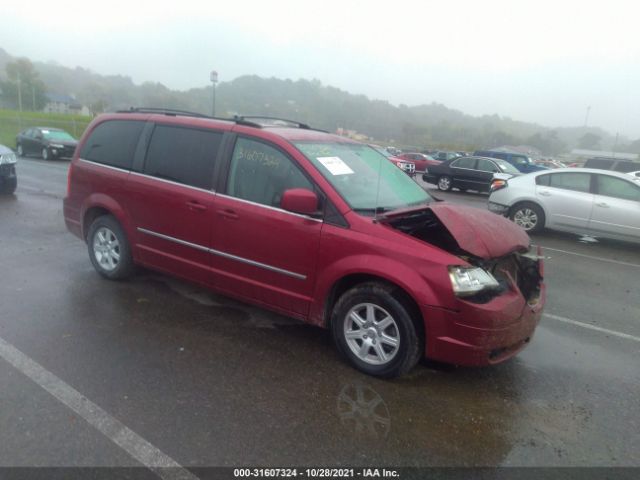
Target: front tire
109	249
374	331
444	183
528	216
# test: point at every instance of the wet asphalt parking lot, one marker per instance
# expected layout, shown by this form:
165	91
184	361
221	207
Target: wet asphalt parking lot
99	373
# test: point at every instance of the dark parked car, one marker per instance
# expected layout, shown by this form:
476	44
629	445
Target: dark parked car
8	178
469	173
45	142
311	225
615	164
521	161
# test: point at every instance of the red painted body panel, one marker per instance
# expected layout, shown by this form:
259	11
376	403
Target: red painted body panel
290	263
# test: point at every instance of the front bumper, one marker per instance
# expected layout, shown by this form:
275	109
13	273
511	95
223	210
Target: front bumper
8	174
482	334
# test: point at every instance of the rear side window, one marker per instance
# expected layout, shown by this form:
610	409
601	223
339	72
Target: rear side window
486	166
543	180
113	143
465	162
625	167
183	155
618	188
601	163
520	160
579	182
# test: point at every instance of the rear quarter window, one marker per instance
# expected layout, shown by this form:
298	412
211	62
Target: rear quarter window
543	180
113	143
183	155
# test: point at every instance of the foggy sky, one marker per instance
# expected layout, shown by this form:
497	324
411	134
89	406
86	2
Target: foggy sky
536	61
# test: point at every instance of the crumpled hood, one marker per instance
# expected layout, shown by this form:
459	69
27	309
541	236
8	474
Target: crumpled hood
480	232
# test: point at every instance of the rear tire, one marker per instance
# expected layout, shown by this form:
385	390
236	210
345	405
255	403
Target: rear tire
20	150
444	183
109	249
373	329
45	154
529	216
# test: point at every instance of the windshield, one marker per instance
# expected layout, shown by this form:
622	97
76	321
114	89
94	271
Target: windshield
57	135
381	150
506	167
367	181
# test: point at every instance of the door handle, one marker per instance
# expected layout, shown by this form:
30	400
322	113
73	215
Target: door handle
603	205
196	207
229	214
544	193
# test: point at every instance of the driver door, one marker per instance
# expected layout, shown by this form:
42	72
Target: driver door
260	251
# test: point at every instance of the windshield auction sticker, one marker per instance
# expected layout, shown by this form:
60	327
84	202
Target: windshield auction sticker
335	165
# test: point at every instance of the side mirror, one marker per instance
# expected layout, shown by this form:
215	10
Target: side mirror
299	200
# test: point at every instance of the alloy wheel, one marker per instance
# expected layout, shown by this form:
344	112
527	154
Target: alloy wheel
371	333
444	183
106	249
526	218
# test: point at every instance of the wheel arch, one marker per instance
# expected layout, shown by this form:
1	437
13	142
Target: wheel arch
98	205
533	200
349	281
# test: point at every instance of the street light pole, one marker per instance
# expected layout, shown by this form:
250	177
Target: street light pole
214	79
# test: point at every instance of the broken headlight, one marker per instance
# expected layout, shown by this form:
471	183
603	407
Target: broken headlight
471	280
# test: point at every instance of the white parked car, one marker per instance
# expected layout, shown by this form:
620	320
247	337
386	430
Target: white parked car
634	174
600	203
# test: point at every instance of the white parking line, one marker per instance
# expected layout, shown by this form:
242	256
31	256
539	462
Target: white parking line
618	262
592	327
132	443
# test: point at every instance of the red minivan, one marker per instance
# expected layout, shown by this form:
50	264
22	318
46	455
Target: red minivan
308	224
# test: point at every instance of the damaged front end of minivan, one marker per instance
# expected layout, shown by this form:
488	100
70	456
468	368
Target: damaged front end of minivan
498	284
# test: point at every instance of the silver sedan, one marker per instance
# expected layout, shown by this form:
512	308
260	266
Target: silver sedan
600	203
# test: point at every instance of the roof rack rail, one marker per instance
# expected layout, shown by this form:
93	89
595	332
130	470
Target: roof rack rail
166	111
246	120
271	121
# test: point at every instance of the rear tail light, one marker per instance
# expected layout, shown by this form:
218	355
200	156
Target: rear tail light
498	184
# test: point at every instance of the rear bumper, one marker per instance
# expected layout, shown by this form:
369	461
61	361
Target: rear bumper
8	177
482	334
498	208
72	218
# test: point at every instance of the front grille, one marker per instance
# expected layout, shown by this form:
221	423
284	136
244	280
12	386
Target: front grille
523	271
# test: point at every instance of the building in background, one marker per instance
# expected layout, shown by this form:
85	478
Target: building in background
61	103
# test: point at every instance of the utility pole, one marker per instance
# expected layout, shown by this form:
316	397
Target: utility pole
214	79
33	97
586	117
19	94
